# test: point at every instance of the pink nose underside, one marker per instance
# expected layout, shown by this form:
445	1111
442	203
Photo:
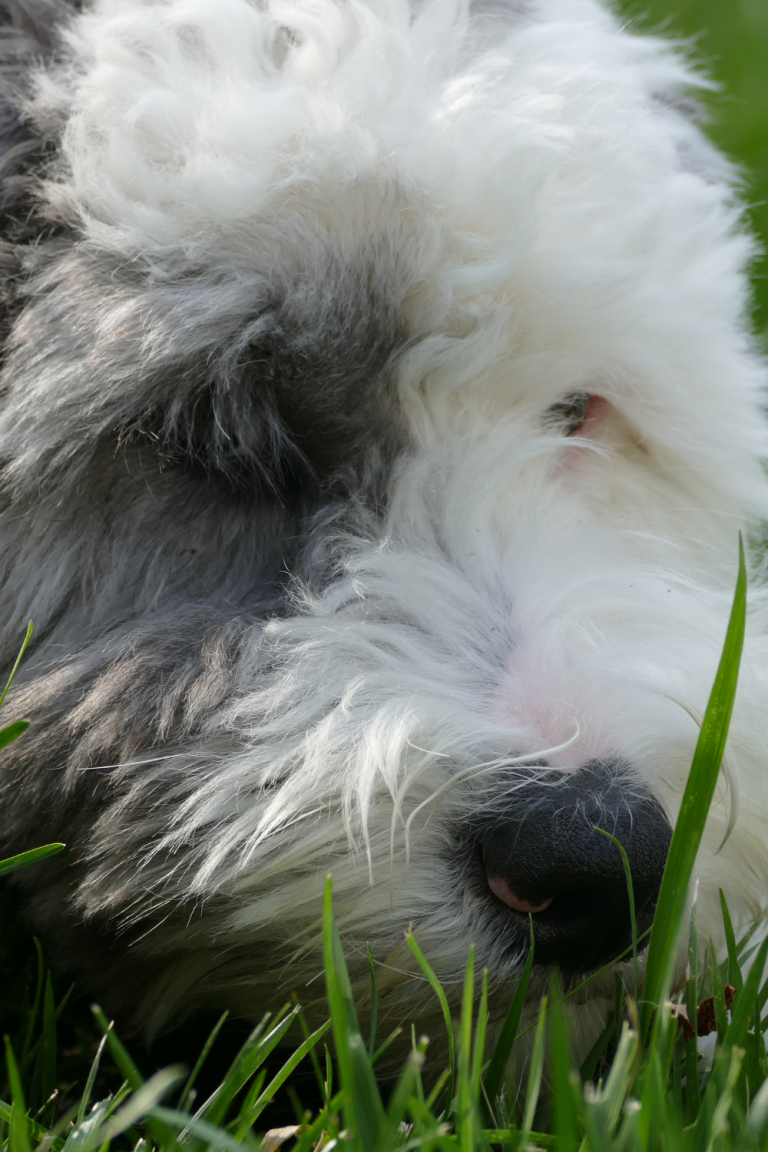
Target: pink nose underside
500	888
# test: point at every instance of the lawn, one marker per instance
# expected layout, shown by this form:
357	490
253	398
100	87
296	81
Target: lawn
72	1085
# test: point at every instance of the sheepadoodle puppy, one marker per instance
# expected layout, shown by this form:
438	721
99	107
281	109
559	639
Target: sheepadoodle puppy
378	416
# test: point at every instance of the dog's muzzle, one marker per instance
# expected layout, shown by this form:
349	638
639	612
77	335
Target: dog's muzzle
548	857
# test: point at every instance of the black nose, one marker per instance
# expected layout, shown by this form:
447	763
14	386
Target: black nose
544	855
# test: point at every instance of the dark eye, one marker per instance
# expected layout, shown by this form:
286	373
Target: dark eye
569	414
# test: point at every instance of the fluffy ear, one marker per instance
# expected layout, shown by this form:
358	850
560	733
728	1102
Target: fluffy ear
296	393
270	386
29	35
271	378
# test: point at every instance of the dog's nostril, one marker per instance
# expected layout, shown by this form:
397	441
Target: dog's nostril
499	886
547	856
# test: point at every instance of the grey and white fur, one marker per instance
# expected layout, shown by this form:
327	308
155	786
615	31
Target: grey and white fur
379	411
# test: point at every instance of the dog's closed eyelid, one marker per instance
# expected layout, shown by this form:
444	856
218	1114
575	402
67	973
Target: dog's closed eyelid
577	414
568	414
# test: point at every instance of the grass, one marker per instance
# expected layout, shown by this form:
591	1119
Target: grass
643	1087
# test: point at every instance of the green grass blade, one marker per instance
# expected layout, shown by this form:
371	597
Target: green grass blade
465	1127
695	806
135	1109
14	670
119	1052
718	996
692	985
692	999
312	1136
34	856
247	1062
247	1119
744	940
597	1051
734	968
652	1117
631	895
48	1054
417	1046
621	1075
535	1074
85	1099
605	968
81	1133
41	1136
12	732
437	1089
398	1031
758	1113
494	1076
363	1109
578	989
210	1136
512	1136
312	1053
128	1069
184	1099
374	1006
561	1062
251	1096
722	1099
744	1003
437	988
478	1051
18	1135
390	1134
27	1049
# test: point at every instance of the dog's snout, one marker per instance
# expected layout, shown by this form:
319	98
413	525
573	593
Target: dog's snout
549	857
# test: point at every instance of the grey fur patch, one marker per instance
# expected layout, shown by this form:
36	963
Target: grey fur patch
178	442
94	710
267	386
93	770
181	443
29	34
300	393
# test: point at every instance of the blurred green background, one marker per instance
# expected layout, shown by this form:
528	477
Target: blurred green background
730	38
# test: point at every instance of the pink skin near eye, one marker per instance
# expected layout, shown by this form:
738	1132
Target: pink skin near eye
589	428
594	418
500	888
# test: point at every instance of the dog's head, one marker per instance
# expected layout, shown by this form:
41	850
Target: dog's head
378	416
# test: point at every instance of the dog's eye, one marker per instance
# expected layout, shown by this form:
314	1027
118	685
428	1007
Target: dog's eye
571	413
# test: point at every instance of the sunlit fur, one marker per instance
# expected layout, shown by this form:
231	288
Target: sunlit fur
292	287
